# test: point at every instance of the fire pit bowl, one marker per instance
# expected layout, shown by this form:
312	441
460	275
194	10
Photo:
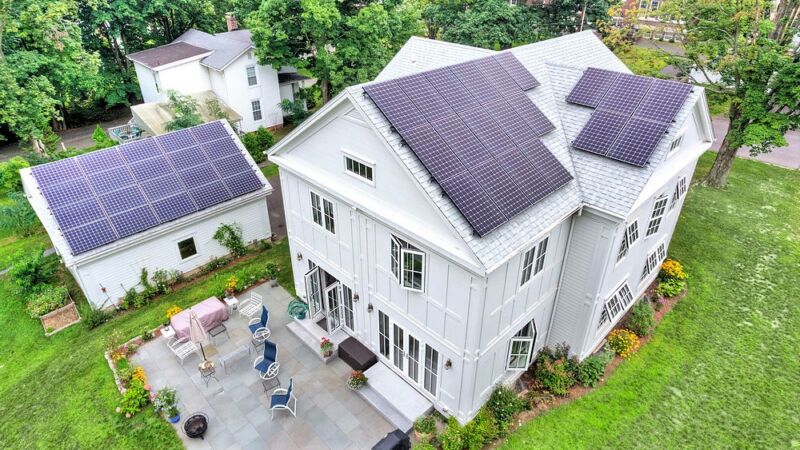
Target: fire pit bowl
196	425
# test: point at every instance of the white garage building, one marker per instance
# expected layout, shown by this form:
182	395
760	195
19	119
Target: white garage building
153	203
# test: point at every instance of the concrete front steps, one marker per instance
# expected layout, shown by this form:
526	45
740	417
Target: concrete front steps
310	335
393	397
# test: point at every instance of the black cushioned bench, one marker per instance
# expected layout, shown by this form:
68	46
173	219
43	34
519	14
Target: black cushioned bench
356	355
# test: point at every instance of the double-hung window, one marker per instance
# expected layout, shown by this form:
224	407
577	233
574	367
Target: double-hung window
322	212
654	259
358	168
680	191
256	107
630	236
659	207
533	261
252	78
616	304
408	264
520	347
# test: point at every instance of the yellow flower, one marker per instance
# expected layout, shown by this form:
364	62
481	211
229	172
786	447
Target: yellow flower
673	269
173	310
623	342
138	374
232	283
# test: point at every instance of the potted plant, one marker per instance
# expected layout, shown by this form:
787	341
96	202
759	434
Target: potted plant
230	286
166	402
326	347
424	427
357	380
271	271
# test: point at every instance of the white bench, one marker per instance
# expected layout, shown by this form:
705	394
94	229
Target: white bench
227	358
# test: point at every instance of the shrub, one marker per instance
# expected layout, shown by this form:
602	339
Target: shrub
164	279
214	264
423	446
95	317
147	335
670	287
451	437
31	270
184	110
138	374
623	342
49	298
672	270
125	375
264	245
17	216
425	425
148	290
10	179
480	431
257	142
230	237
166	402
271	270
641	320
101	139
555	375
591	369
134	399
503	404
294	111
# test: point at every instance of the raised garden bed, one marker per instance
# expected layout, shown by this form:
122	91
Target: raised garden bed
61	318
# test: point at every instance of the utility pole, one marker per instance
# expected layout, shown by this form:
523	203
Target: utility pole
583	14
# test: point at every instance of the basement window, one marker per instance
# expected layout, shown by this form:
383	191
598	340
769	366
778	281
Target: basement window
520	347
186	248
616	304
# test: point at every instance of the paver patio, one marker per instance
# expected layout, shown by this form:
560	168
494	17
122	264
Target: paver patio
329	415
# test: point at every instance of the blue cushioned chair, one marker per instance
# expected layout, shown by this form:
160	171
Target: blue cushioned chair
267	365
283	399
258	326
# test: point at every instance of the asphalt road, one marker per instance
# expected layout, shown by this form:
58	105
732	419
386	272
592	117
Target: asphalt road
788	156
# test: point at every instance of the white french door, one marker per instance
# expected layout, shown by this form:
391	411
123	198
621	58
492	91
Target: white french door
314	291
405	352
333	303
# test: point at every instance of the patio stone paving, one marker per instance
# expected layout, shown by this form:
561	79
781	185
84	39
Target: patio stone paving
329	415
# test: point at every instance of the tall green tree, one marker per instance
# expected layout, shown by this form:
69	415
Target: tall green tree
734	38
339	42
487	24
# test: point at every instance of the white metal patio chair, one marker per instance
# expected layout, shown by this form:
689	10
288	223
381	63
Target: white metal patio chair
283	399
182	348
251	306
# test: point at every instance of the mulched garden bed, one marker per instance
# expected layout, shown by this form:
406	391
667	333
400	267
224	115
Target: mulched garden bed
61	318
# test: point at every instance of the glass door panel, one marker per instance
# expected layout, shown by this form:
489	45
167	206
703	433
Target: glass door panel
398	353
314	291
333	296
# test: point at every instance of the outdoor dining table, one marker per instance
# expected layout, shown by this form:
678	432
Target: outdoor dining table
211	313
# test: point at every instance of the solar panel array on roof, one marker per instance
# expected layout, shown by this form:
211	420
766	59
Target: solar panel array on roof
632	113
477	133
110	194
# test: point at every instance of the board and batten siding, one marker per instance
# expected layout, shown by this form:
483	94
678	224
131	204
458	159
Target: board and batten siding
119	271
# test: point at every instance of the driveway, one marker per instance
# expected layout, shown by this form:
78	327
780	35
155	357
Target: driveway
788	156
277	218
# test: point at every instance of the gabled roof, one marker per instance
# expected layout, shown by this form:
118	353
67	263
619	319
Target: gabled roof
226	47
90	202
167	54
610	186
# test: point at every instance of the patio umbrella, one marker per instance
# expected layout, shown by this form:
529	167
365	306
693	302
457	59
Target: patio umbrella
196	331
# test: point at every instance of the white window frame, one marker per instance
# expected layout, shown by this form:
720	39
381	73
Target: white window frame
394	341
681	187
253	104
406	271
528	340
629	236
355	172
533	261
398	249
194	243
319	212
254	77
616	305
676	144
653	260
657	215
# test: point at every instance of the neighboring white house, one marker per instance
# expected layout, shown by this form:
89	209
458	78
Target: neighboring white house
223	63
154	204
381	252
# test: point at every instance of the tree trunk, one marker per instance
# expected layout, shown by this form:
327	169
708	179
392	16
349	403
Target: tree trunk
718	175
325	87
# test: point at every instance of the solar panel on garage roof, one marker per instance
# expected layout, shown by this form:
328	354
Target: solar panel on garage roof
592	86
110	194
475	139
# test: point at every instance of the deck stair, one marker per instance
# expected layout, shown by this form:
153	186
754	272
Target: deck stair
393	397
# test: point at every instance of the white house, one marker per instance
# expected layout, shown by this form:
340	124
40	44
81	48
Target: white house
456	276
154	204
222	63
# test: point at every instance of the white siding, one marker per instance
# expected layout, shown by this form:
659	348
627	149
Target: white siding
240	94
148	81
186	78
119	271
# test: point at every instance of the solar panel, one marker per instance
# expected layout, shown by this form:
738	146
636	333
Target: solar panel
592	86
437	157
600	131
474	204
625	94
532	115
471	76
455	133
397	108
512	123
518	72
486	129
448	86
499	186
141	184
548	166
494	72
524	173
424	96
637	141
663	101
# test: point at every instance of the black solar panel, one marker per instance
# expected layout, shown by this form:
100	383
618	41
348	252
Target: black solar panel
637	141
466	124
600	131
663	101
518	72
625	94
548	166
592	86
110	194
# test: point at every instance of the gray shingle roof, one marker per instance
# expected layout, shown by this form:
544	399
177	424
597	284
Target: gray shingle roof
226	47
558	64
166	54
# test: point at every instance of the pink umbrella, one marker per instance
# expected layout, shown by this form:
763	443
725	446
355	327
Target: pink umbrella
196	331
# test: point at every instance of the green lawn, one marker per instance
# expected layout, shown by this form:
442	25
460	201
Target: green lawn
58	392
270	170
11	245
723	370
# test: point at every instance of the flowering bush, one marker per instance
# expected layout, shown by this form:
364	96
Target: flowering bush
174	309
325	345
138	374
623	342
357	380
555	375
134	399
166	402
672	270
232	284
503	404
